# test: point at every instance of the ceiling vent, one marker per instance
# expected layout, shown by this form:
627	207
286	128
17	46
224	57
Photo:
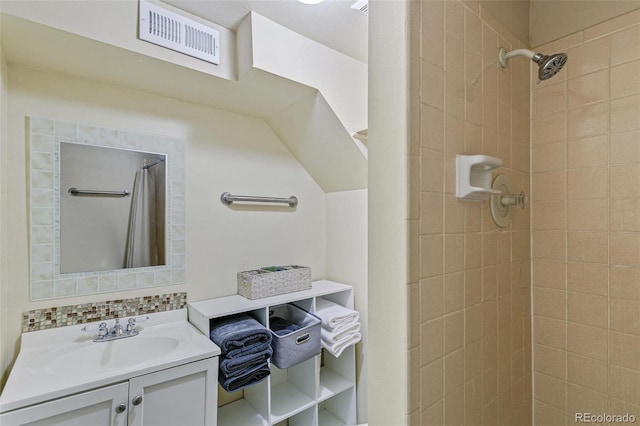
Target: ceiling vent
176	32
362	6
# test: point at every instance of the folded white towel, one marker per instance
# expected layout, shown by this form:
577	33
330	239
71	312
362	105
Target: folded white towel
337	348
337	336
334	316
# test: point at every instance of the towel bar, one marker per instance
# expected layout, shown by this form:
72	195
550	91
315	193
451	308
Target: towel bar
227	199
92	193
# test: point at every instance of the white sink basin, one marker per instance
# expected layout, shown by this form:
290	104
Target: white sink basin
115	354
65	360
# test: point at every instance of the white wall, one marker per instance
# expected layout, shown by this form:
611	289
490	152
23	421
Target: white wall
224	152
4	82
347	263
388	253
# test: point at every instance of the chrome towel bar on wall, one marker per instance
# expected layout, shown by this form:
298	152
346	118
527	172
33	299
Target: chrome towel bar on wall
95	193
227	199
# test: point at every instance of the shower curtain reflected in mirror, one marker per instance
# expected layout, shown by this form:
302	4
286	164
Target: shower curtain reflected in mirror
145	234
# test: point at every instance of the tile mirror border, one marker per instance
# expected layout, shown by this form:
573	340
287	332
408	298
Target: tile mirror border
46	281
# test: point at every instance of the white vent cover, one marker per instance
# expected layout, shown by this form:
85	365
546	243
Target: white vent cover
362	6
176	32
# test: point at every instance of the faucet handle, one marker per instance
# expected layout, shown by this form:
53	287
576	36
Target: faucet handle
102	330
131	324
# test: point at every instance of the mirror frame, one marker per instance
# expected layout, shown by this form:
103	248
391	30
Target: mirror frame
46	281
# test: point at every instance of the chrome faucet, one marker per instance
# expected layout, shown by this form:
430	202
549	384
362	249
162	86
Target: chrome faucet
117	331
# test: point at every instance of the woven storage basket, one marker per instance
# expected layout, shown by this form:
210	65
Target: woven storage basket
261	283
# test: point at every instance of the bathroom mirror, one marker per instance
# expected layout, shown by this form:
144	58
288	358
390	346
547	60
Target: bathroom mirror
107	209
112	208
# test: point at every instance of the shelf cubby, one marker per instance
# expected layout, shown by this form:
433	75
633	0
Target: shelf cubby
318	391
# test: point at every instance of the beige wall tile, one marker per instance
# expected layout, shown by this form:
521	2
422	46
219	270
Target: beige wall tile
473	398
453	253
588	183
549	157
552	128
588	120
454	18
473	31
432	167
550	361
432	85
489	248
490	317
431	252
587	247
550	303
625	248
549	99
588	372
589	57
473	360
625	79
588	152
547	215
619	406
583	400
624	282
625	113
625	148
431	213
431	383
625	316
625	350
590	278
551	391
625	215
431	128
587	341
624	181
454	331
431	341
549	186
549	245
433	51
549	273
431	298
588	89
472	287
549	416
454	407
622	45
453	292
434	415
473	250
489	283
453	215
588	309
454	372
550	332
624	384
588	215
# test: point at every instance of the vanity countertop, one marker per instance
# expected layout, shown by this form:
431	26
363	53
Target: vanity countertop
62	361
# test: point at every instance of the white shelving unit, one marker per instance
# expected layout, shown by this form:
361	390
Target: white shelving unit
319	391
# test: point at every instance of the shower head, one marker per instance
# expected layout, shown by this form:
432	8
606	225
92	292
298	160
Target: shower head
549	65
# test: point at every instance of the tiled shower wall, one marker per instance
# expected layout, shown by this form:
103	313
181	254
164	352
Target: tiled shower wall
469	290
586	226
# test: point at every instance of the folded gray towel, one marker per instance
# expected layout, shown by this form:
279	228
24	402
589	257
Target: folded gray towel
239	335
281	326
251	377
233	367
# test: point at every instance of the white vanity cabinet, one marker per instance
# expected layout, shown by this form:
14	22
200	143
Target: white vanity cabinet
183	395
320	391
95	407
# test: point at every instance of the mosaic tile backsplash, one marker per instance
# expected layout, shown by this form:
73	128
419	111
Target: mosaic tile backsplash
61	316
